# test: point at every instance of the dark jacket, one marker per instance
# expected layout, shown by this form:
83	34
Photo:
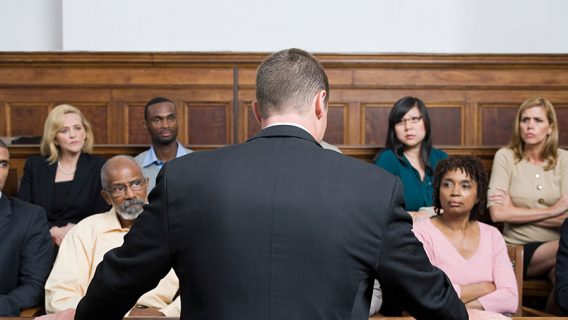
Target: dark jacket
25	255
275	228
562	269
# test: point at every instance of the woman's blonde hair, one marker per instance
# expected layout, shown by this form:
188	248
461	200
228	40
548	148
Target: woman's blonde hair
54	123
550	152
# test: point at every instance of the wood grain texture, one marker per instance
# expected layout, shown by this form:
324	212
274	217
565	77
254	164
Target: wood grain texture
471	97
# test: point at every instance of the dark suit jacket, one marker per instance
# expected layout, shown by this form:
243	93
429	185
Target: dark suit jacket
84	199
562	269
25	255
275	228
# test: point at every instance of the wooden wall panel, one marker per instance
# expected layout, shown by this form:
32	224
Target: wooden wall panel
562	117
376	122
446	124
471	97
251	127
25	118
209	123
136	132
336	124
99	117
497	122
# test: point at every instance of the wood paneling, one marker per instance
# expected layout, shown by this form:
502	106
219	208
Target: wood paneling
98	115
376	119
209	123
447	125
136	132
471	98
497	123
25	118
336	123
250	126
562	116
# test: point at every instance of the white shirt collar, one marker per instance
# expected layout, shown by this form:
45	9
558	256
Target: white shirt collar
288	124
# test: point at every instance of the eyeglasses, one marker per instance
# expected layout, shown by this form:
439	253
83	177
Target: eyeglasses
119	189
402	122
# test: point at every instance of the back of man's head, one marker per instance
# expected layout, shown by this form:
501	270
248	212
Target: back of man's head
287	82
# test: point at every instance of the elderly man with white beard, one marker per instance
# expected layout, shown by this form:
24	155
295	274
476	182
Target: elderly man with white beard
125	188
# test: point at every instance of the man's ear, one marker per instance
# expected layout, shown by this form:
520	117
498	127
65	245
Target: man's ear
145	124
256	111
321	107
106	196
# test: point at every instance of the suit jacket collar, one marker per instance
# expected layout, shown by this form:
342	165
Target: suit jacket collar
285	131
5	210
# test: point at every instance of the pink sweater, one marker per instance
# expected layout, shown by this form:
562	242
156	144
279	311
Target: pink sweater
490	263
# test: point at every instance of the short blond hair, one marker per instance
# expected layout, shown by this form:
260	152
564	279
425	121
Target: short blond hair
550	152
54	123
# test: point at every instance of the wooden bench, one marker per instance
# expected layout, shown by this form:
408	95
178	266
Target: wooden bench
19	154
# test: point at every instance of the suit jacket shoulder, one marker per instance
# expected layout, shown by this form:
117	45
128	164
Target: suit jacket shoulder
25	255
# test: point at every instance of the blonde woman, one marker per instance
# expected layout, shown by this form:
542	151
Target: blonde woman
528	190
65	179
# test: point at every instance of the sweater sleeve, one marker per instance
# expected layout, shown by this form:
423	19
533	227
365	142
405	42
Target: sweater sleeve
505	298
500	173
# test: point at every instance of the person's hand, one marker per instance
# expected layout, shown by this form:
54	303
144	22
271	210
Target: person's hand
68	314
58	233
475	314
501	197
145	312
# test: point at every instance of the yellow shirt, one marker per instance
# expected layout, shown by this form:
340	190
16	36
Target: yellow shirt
529	186
82	250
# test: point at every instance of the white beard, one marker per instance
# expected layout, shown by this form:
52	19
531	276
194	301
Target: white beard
129	215
130	209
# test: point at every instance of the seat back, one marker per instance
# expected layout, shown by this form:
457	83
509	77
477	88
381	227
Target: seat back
516	256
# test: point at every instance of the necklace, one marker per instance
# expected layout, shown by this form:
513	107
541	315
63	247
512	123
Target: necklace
65	172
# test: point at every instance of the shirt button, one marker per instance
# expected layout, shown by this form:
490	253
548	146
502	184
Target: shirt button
539	187
541	200
537	175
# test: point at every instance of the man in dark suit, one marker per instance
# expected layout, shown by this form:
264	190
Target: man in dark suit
277	227
25	249
561	290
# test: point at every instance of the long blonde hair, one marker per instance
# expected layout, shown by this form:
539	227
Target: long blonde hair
54	123
550	151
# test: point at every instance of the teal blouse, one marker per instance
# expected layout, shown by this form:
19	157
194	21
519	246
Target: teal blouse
417	193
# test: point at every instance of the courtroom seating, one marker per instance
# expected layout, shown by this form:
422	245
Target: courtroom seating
516	255
536	292
32	312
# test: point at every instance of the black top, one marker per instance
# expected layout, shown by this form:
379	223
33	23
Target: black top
275	228
84	196
59	201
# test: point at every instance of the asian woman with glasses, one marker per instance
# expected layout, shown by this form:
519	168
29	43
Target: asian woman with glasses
409	154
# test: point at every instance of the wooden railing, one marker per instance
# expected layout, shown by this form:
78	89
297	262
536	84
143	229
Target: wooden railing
19	154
